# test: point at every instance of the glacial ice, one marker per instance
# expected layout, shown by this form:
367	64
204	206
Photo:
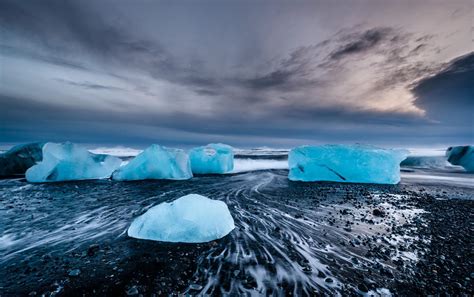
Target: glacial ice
212	158
68	161
345	163
192	218
424	161
156	162
461	155
19	158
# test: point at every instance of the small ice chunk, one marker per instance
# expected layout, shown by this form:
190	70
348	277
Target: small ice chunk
156	162
19	158
191	218
461	155
68	161
212	158
345	163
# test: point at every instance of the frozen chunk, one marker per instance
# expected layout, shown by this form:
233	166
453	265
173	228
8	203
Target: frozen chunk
19	158
67	161
424	161
212	158
462	156
191	218
156	162
345	163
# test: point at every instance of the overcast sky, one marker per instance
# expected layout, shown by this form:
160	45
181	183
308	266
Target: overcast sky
247	73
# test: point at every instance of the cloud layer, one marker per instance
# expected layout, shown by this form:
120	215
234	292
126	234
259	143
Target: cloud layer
264	73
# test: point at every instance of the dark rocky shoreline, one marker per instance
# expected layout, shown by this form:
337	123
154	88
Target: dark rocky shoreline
370	229
448	267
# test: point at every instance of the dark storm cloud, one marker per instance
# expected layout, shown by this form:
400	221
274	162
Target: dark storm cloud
448	96
66	30
396	47
361	42
135	70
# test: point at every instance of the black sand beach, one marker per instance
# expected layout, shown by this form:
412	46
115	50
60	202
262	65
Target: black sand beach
291	238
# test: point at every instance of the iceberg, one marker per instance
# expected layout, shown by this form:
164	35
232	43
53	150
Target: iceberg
156	162
192	218
212	158
462	156
19	158
345	163
424	161
68	161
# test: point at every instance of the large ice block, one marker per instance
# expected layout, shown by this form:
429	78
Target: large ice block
156	162
345	163
19	158
212	158
461	155
191	218
68	161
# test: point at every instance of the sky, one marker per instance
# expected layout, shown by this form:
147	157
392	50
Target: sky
247	73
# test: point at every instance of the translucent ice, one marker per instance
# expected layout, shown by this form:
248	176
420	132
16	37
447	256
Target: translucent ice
156	162
19	158
68	161
191	218
212	158
461	155
345	163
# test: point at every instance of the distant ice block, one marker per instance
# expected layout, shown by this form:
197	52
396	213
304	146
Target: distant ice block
212	158
156	162
461	155
192	218
345	163
68	161
19	158
424	161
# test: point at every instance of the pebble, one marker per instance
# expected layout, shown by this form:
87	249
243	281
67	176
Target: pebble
363	288
93	248
195	287
329	280
74	272
132	291
378	213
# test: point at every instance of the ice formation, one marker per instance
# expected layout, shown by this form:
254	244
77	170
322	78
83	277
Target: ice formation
212	158
156	162
461	155
19	158
192	218
424	161
345	163
68	161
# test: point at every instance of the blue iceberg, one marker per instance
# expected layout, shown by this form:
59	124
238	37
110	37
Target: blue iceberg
345	163
192	218
462	156
212	158
68	161
156	162
19	158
